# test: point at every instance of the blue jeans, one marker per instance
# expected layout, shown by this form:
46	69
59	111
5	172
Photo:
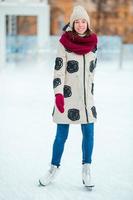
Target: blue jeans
60	139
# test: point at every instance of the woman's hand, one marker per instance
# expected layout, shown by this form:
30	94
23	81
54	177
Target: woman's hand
59	101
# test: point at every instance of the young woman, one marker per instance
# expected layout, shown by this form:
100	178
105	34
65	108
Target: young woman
73	87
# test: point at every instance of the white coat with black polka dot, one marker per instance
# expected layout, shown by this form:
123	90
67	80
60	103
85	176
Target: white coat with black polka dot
74	78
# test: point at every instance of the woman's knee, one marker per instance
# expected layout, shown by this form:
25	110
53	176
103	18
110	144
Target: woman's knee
62	132
88	130
60	139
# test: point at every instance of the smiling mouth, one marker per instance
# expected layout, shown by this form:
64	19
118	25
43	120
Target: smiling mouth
81	29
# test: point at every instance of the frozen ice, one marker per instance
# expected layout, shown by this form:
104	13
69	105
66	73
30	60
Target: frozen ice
27	133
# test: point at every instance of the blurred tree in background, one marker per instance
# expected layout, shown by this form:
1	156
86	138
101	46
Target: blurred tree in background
108	17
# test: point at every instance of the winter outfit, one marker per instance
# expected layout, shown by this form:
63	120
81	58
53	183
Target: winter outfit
74	77
74	88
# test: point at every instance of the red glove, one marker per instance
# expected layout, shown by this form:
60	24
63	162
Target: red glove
59	100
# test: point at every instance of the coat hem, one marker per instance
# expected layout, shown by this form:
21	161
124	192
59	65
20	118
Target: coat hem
81	122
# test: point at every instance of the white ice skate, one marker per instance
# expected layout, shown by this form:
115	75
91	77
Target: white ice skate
86	176
50	175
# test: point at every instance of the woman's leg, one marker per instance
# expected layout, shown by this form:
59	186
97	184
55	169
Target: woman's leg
59	142
87	142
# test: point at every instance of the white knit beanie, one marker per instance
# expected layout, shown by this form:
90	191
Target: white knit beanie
79	12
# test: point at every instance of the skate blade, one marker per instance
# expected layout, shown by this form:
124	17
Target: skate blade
89	188
40	184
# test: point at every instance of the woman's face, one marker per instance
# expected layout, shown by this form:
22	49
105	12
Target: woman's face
80	26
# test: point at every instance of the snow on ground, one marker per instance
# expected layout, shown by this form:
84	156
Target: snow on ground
27	133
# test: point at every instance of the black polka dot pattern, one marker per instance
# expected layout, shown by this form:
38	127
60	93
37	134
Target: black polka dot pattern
93	65
73	114
67	91
93	109
58	63
92	88
56	82
72	66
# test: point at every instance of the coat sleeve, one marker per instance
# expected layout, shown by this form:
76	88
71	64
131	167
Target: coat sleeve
93	64
59	70
92	69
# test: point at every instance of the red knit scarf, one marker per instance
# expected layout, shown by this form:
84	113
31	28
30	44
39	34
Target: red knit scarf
77	44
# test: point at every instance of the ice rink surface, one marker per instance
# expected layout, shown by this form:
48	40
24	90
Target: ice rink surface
27	133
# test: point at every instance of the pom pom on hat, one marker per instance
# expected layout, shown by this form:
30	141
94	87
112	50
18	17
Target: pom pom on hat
79	12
